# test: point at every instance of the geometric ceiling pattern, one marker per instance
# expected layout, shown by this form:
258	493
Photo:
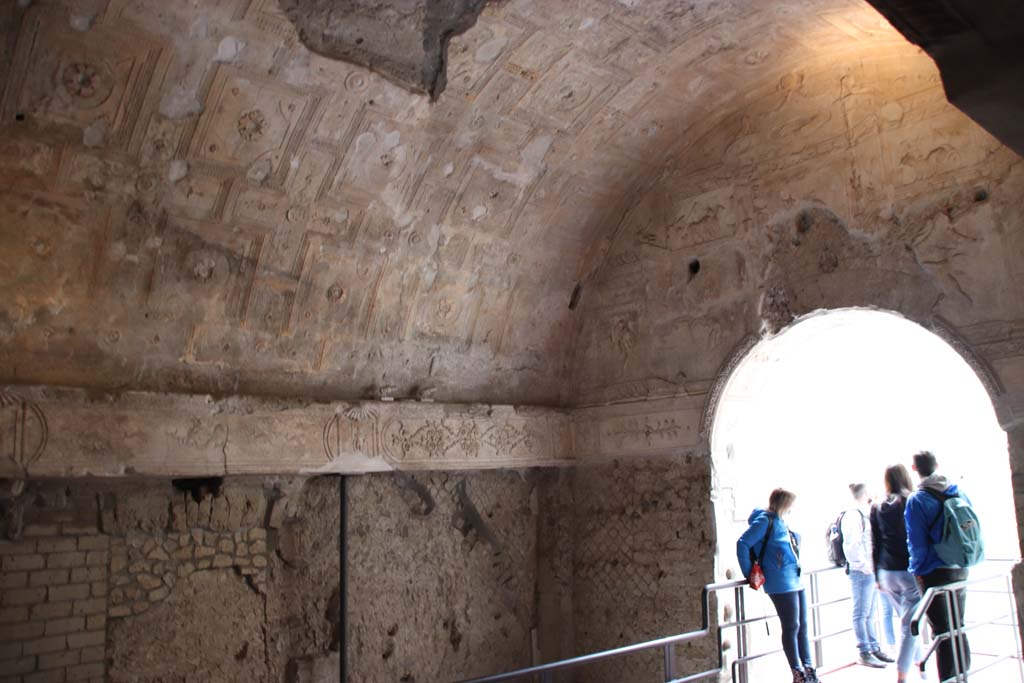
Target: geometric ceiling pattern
192	201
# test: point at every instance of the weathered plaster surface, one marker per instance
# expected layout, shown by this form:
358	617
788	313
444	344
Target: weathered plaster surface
66	432
643	550
838	186
442	575
142	581
205	206
405	40
194	203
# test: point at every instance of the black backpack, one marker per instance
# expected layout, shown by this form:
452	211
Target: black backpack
834	540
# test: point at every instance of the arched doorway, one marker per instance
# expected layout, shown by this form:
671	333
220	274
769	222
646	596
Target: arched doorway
835	398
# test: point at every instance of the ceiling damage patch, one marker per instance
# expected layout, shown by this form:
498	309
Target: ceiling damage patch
404	40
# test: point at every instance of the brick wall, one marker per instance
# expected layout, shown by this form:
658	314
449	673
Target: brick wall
53	604
107	580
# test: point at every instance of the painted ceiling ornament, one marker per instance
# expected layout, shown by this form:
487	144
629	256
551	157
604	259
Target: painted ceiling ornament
251	125
88	84
23	430
335	293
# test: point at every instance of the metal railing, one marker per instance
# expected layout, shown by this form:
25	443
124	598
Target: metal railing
739	667
544	673
948	595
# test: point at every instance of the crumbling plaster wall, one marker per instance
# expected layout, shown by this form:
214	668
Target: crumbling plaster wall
834	183
831	185
137	581
252	217
442	575
643	550
241	579
406	41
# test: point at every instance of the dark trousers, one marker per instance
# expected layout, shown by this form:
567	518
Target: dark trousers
792	610
939	620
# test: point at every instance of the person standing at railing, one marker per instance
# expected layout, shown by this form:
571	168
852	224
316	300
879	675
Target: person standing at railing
924	521
860	567
892	561
769	542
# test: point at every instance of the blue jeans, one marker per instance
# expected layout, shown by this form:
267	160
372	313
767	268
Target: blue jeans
901	589
792	610
887	613
863	589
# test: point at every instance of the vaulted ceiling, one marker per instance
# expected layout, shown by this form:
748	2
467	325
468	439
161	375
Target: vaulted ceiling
194	201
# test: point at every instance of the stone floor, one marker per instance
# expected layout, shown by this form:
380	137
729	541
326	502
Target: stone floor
1003	672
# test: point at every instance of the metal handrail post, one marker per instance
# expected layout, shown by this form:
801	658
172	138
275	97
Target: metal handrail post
960	632
1013	620
819	650
741	634
954	640
670	662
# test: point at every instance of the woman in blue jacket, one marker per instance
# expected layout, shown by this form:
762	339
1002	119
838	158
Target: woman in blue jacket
781	567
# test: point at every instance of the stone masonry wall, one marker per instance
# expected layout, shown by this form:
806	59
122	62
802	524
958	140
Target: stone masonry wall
450	575
145	568
441	575
644	549
140	581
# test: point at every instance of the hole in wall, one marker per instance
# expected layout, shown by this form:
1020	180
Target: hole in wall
694	268
19	117
199	487
803	223
980	195
574	298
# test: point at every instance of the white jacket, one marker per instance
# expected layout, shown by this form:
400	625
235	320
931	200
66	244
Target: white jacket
856	526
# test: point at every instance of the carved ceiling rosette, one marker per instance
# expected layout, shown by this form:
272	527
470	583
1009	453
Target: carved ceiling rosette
23	431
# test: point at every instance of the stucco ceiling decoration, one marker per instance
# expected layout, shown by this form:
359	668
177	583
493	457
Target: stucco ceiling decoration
205	205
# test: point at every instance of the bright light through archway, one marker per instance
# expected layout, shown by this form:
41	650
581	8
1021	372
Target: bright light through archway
838	397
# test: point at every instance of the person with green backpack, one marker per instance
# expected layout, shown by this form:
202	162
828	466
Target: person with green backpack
944	540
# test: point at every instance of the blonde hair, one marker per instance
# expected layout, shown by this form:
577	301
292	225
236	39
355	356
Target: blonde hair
780	501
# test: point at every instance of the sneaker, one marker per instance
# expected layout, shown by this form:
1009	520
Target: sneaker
868	659
810	675
882	656
798	676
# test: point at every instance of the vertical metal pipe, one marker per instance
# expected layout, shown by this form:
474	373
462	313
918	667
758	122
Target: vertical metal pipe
959	642
819	650
951	634
343	578
670	662
741	633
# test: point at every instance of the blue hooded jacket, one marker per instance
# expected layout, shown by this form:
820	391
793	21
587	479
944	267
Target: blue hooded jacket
781	565
924	524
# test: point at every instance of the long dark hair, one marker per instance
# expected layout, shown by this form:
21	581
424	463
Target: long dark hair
897	481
